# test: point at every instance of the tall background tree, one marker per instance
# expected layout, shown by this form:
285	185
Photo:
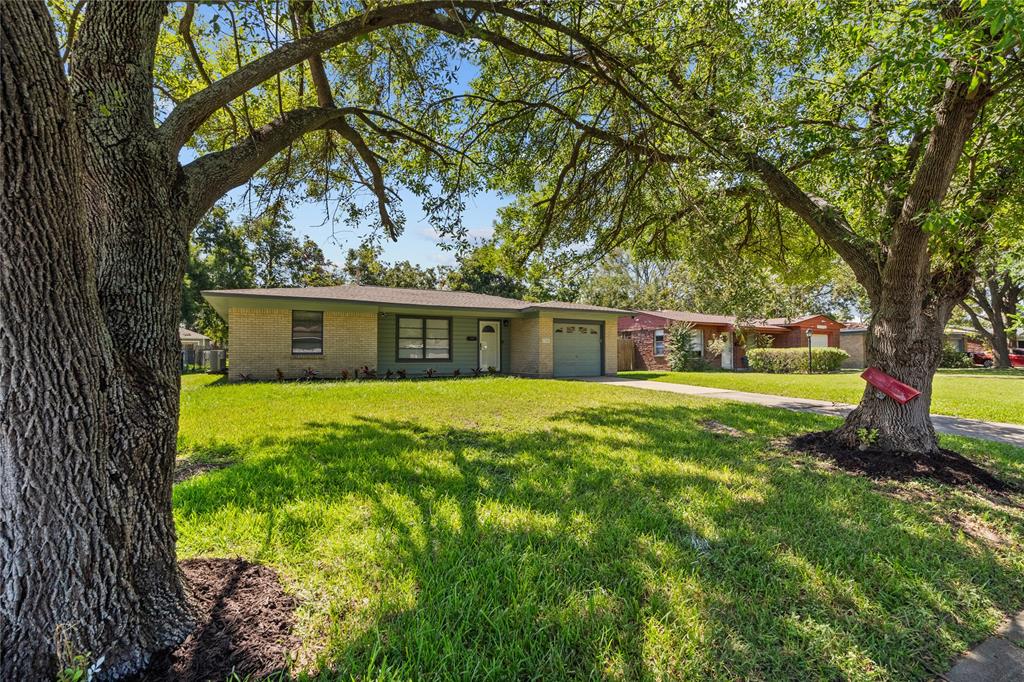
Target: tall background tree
748	290
888	135
995	304
256	252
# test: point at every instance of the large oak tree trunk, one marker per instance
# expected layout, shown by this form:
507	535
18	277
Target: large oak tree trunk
92	258
904	340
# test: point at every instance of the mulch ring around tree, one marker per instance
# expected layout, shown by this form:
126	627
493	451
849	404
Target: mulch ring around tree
245	624
944	466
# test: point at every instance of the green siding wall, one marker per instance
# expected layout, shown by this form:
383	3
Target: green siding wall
464	352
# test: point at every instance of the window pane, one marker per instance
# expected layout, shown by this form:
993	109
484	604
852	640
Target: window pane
422	338
314	316
307	332
411	324
307	344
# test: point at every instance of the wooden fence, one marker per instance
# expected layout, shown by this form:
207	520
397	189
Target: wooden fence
626	354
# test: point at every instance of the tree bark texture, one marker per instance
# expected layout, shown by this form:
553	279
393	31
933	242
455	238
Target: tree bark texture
905	342
92	259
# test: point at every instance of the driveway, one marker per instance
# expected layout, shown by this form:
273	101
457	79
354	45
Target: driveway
1011	434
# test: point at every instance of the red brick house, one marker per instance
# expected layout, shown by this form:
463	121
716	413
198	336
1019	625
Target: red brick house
648	330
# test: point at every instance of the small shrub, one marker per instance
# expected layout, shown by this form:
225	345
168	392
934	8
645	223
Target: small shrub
280	375
389	374
866	438
345	375
758	340
456	372
369	372
244	377
309	373
402	374
477	371
492	370
717	345
951	358
680	340
430	372
794	360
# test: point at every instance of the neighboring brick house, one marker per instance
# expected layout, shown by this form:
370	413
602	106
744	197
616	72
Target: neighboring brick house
648	330
330	329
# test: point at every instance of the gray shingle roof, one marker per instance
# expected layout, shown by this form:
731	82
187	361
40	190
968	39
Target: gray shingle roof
186	334
417	297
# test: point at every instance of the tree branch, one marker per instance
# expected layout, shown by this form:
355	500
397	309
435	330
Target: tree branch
824	219
977	322
209	177
342	127
302	10
190	114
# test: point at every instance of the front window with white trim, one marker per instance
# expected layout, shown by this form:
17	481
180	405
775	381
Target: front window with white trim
697	343
659	342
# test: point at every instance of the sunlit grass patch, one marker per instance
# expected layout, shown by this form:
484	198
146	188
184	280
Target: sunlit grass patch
989	395
502	528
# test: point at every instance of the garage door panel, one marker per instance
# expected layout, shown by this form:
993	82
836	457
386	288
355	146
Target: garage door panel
577	349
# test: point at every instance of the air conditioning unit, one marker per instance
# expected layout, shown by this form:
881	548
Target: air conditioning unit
214	360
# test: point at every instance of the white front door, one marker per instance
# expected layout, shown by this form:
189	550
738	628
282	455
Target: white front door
727	352
490	344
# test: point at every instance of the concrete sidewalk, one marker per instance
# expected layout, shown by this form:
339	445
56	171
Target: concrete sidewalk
1011	434
999	658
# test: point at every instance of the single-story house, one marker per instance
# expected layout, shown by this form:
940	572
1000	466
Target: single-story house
192	345
853	339
330	329
648	330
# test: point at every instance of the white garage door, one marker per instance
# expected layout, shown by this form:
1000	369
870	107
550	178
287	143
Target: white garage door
577	349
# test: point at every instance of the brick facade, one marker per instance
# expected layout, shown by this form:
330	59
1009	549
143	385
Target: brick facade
611	348
643	347
532	350
261	343
640	329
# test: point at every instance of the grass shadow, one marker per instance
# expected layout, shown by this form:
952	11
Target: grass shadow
616	540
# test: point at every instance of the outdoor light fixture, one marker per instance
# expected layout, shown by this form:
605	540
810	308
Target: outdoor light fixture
809	355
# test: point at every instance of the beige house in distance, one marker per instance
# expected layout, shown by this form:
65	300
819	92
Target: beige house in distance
330	329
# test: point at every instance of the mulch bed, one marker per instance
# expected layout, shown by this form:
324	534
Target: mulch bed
245	624
944	466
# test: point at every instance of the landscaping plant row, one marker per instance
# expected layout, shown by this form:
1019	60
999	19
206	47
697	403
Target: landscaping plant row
369	373
795	360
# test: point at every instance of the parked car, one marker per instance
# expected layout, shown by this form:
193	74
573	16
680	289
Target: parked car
984	358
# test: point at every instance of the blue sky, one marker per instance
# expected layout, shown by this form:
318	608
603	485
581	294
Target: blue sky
418	244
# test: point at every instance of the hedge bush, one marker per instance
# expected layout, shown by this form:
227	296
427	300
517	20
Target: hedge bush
952	358
794	360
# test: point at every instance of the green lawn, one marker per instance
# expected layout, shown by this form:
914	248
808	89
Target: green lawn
978	394
503	528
